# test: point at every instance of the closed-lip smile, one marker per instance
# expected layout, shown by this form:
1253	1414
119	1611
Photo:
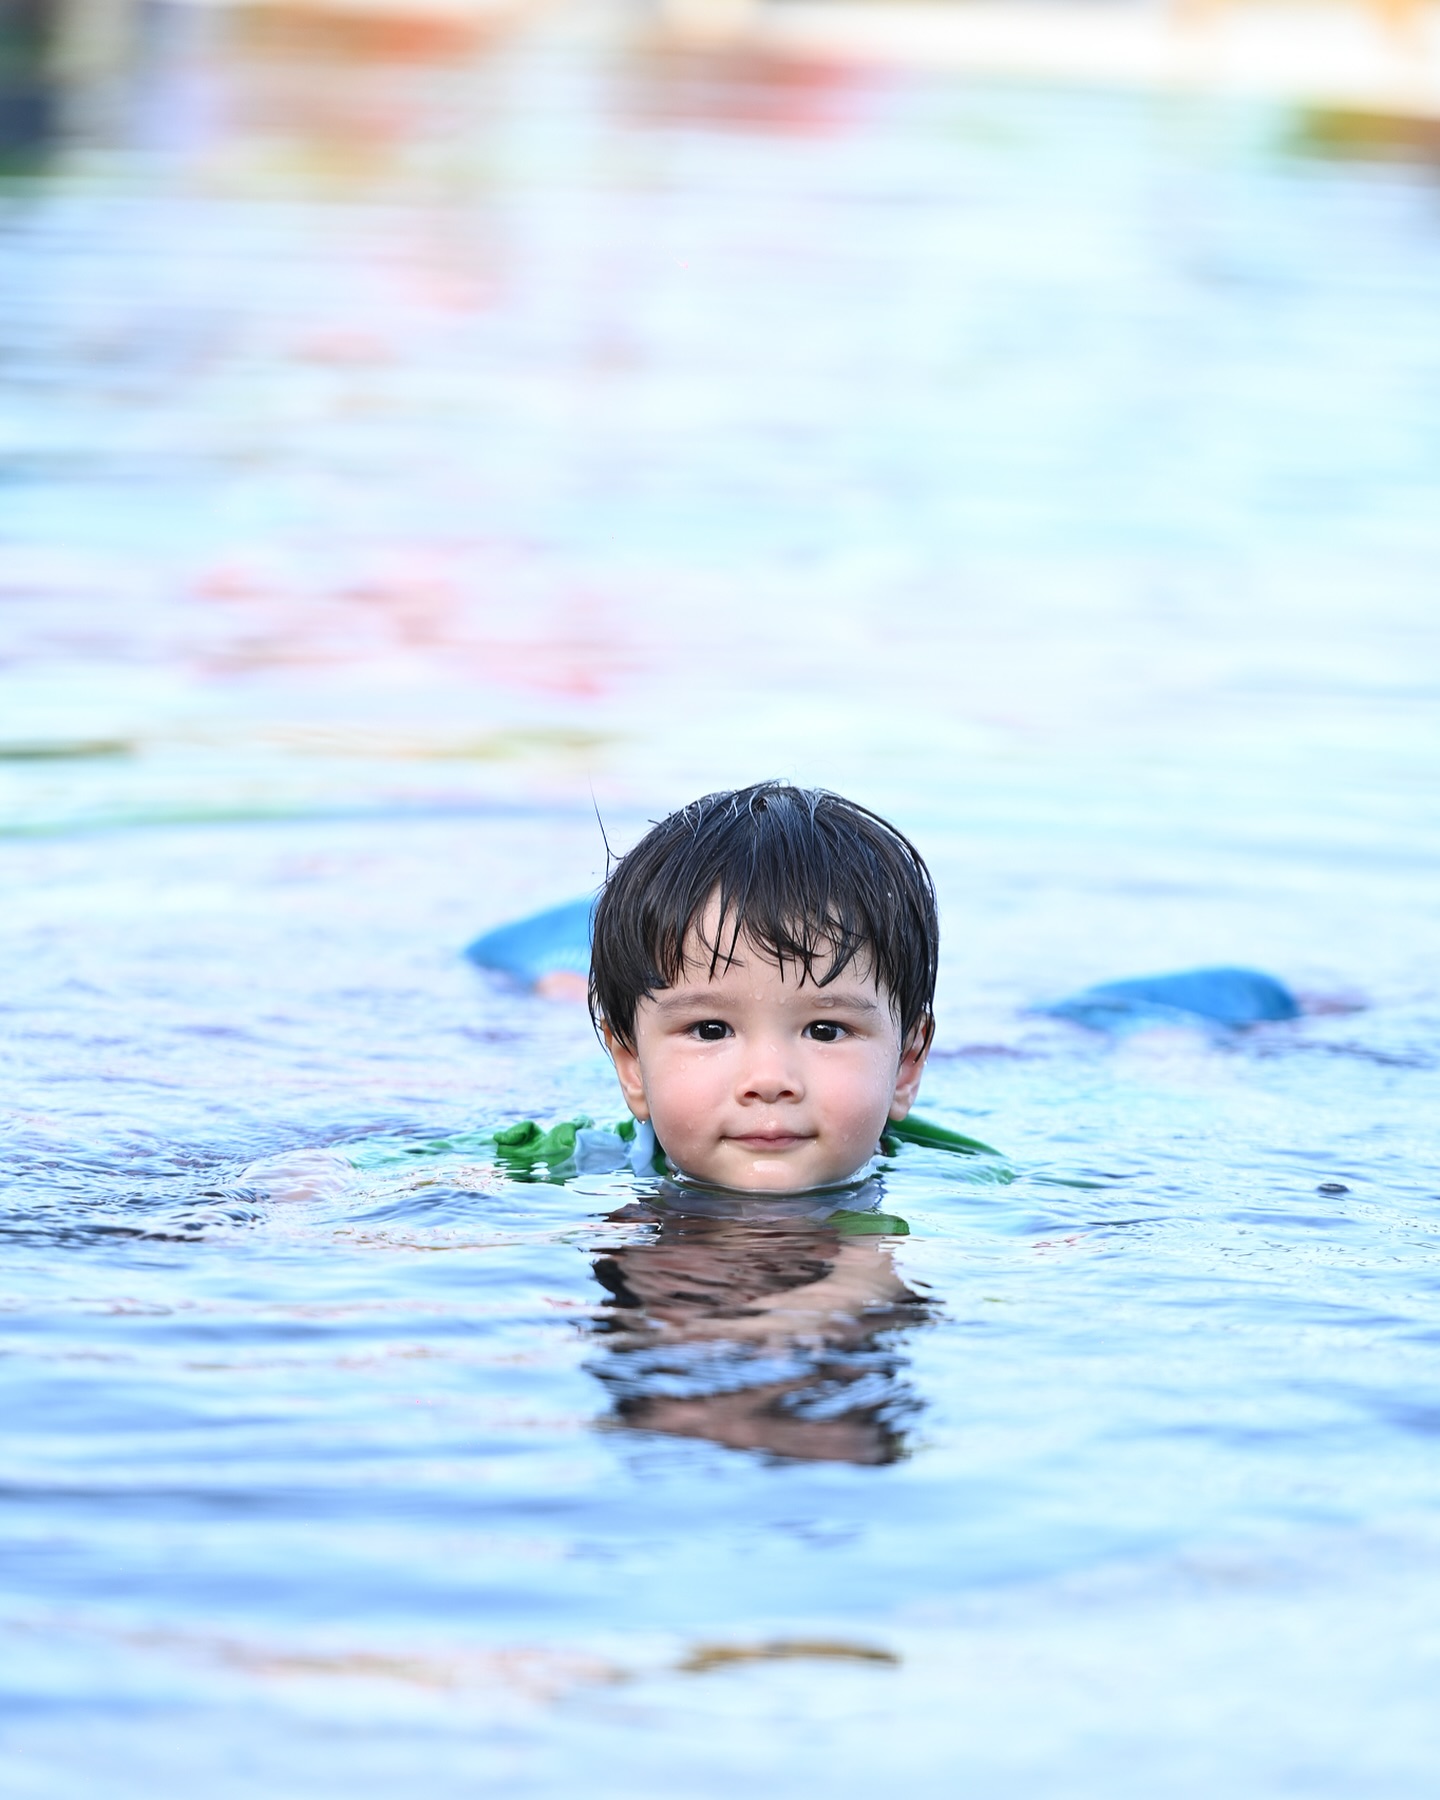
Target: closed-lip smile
770	1140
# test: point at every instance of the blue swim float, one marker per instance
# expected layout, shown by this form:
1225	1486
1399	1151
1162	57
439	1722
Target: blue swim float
1231	998
547	943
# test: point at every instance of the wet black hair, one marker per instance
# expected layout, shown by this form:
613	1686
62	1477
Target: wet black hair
802	875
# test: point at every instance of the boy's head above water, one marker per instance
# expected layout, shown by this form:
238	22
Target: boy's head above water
763	975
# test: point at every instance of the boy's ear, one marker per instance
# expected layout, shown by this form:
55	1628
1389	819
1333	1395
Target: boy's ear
627	1070
912	1067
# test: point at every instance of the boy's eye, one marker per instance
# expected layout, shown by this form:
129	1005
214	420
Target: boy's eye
825	1031
710	1031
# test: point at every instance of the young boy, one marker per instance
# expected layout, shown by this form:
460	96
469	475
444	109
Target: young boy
763	977
763	974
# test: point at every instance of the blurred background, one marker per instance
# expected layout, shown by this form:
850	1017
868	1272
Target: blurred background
429	402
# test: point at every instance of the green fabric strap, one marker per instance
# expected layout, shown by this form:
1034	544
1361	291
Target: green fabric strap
523	1145
868	1224
931	1137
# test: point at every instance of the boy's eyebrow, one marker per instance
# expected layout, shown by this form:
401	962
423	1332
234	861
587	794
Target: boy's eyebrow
852	1002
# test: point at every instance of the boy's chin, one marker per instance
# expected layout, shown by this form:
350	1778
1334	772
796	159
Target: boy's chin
774	1179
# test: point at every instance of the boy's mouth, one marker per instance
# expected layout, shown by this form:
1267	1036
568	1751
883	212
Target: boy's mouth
770	1140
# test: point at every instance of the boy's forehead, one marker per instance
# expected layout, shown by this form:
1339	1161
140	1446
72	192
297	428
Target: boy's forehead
708	964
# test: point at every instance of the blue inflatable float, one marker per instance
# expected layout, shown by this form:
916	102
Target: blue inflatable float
556	942
1229	998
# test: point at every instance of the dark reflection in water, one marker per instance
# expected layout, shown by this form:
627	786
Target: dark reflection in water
28	101
762	1329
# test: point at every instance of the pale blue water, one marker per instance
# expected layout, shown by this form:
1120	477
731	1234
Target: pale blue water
395	458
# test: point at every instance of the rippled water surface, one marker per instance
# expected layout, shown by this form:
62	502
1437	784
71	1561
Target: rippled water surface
407	455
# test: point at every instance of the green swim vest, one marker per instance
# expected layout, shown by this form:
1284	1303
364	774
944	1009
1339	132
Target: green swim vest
527	1145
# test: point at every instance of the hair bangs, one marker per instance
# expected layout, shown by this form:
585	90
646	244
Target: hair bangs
807	879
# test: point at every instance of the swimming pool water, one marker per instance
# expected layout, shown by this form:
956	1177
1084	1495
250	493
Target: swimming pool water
406	461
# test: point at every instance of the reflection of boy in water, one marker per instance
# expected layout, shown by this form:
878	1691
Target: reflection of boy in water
763	976
760	1333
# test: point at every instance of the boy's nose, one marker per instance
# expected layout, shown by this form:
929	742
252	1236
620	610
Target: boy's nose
770	1075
